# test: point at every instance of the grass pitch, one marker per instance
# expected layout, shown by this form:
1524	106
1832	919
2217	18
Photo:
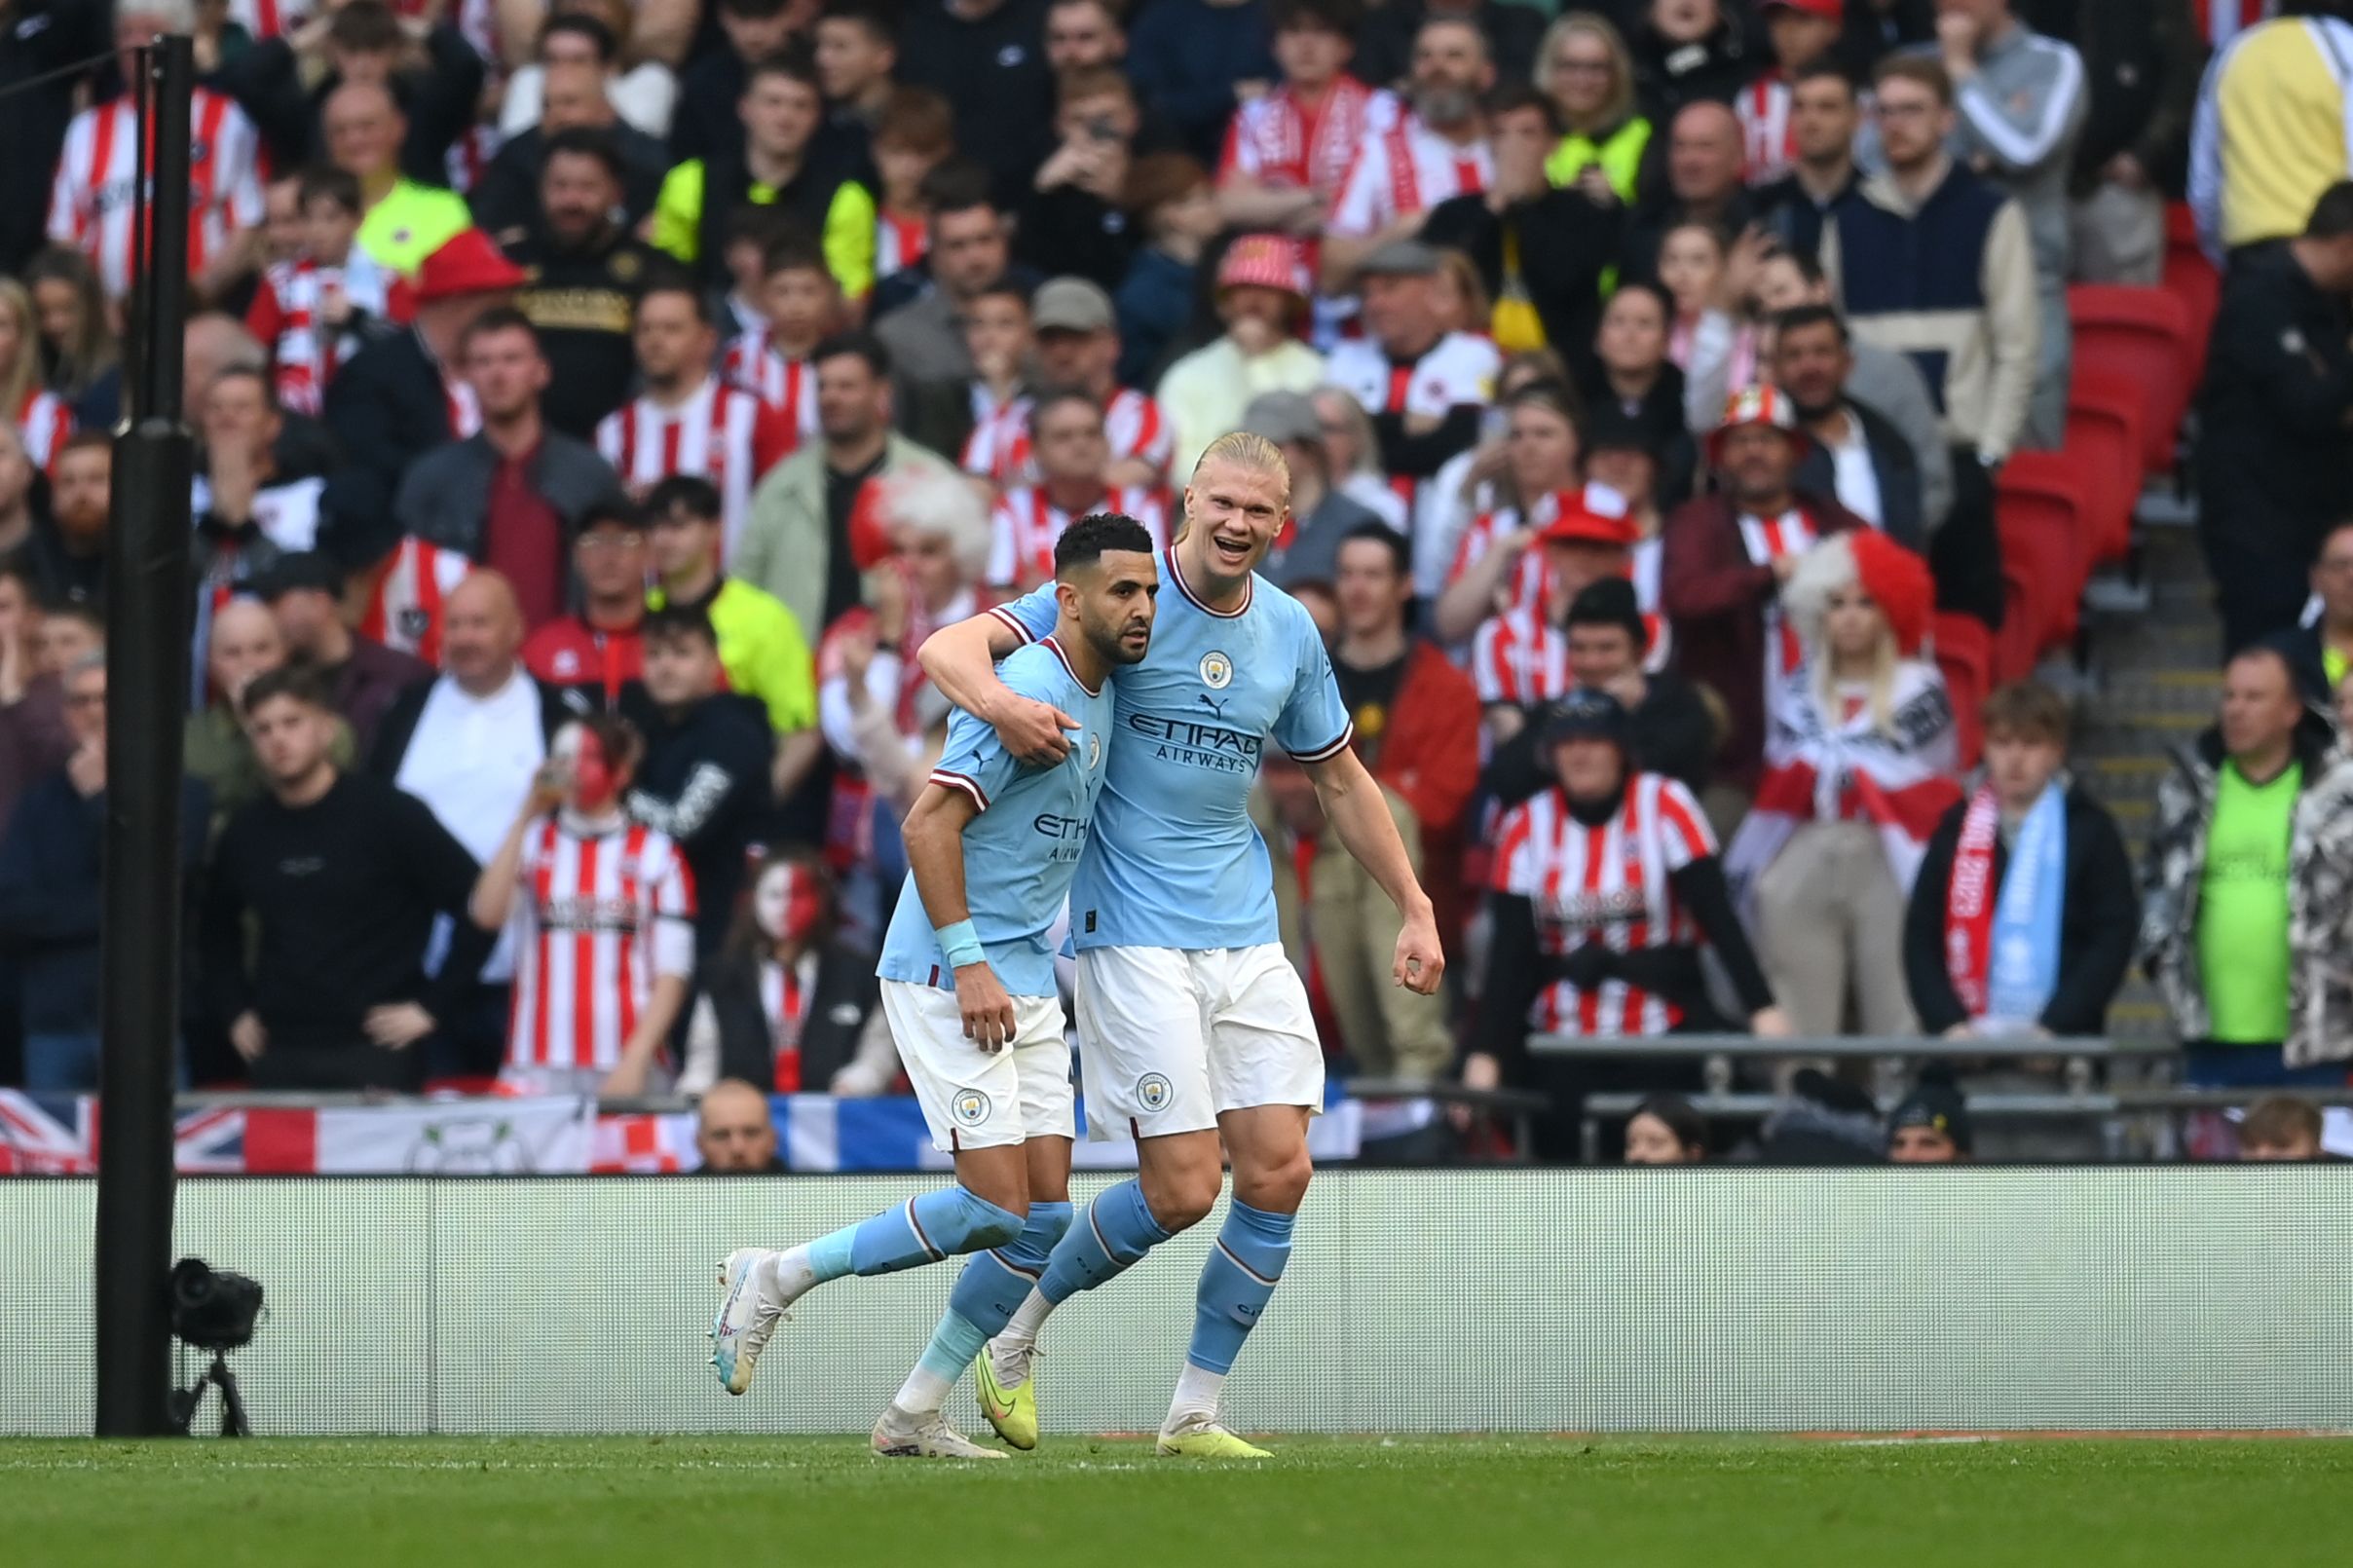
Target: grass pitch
1366	1503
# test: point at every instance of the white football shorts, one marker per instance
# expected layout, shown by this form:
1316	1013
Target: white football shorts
973	1098
1171	1037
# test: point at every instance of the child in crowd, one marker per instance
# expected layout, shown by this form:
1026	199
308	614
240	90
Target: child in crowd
801	304
915	135
312	313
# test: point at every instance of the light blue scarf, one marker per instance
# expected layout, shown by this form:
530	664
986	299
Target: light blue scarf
2024	967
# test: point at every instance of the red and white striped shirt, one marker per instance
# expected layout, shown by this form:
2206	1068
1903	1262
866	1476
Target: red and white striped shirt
404	613
45	421
1138	429
1027	523
94	203
1768	147
599	917
1407	167
787	385
285	317
1606	884
998	448
1275	139
1520	659
2222	21
722	432
1458	369
900	241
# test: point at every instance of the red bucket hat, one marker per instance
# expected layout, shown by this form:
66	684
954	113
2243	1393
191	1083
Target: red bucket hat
467	263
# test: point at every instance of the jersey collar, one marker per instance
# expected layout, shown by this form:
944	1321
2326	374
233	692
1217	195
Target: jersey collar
1249	589
1091	690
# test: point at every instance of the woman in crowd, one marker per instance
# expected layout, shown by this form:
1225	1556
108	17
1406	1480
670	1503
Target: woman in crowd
1859	756
1604	888
1691	269
2025	913
40	415
1584	68
786	1005
78	342
1665	1130
1496	568
1355	456
1629	370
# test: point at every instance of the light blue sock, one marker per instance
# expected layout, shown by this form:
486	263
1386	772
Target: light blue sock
1236	1283
1112	1237
925	1229
993	1284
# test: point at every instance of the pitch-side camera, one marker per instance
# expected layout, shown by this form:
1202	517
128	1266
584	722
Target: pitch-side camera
216	1310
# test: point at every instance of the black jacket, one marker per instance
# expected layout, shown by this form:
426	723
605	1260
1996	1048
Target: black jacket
506	201
2141	60
2307	657
1668	75
2274	458
2098	926
388	408
1675	733
51	894
1793	216
438	100
1068	232
705	783
846	992
1895	464
1567	245
1877	29
38	37
584	300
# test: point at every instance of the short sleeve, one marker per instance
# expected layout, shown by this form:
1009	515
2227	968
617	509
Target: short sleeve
1314	725
1683	832
1030	616
1357	211
674	917
974	760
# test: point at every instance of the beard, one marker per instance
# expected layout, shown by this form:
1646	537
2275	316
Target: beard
1444	104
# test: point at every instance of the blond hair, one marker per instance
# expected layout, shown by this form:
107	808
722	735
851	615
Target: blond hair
16	381
1577	24
1825	570
1252	454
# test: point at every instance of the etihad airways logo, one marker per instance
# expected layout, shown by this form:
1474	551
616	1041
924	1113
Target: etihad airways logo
1197	744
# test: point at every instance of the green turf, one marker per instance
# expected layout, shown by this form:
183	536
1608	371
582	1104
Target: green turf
1366	1503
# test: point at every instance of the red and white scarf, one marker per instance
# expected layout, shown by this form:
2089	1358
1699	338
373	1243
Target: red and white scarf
1969	905
1821	766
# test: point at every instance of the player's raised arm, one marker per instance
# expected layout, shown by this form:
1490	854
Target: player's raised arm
934	835
961	661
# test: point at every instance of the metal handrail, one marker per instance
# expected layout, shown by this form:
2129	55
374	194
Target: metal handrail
1912	1046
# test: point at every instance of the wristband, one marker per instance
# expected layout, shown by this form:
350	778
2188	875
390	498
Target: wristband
960	945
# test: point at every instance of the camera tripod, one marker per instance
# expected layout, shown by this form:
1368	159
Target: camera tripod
233	1404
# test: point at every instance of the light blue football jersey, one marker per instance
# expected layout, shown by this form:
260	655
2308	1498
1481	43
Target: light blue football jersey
1025	846
1174	860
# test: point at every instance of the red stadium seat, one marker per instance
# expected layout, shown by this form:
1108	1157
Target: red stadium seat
2041	514
2014	651
2143	335
2104	441
2192	279
1964	652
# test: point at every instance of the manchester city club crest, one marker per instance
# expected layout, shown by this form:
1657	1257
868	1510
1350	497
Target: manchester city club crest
1153	1092
1216	670
969	1108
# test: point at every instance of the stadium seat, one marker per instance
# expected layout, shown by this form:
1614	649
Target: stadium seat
2142	335
1964	653
2014	653
2192	279
2041	514
2104	441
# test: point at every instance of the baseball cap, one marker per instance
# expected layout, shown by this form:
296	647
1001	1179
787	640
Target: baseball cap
1283	417
1401	258
1585	714
1071	305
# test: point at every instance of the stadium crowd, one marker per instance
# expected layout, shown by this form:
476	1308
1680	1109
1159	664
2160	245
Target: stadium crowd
600	402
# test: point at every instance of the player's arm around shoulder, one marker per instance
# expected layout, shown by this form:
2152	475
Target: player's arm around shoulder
961	661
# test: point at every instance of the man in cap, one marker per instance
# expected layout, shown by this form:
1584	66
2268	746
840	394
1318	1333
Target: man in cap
1307	553
1078	346
1262	293
1725	556
1930	1127
1425	388
1671	726
401	397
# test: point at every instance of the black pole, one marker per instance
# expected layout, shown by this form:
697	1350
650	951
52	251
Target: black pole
148	601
